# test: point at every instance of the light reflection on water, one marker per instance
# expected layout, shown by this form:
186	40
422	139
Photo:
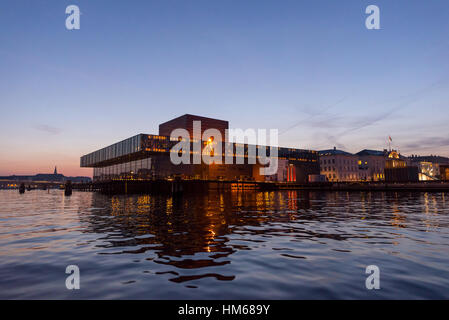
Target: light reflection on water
250	245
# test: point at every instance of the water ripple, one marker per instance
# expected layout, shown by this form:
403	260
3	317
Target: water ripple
250	245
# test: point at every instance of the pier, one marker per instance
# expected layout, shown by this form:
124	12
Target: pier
177	186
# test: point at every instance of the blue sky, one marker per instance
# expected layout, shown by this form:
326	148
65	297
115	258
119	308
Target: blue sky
308	68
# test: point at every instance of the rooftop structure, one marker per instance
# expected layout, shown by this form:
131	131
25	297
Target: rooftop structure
368	152
333	152
431	158
187	122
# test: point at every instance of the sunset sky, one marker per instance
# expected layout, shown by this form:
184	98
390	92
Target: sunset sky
308	68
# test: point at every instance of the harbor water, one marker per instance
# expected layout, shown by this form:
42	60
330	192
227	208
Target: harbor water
229	245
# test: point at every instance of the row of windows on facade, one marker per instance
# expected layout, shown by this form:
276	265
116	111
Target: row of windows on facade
332	176
340	169
333	161
354	177
132	167
161	144
118	149
346	161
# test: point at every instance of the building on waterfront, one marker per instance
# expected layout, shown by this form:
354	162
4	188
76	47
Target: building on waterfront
429	167
375	165
397	168
428	170
444	172
371	164
146	156
338	165
402	174
389	166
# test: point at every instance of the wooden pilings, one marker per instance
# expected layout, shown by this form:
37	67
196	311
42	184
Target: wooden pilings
68	188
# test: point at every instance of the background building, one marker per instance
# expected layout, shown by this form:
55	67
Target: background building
429	167
397	169
371	164
338	165
43	177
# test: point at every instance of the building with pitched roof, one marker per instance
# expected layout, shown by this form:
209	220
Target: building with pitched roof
339	165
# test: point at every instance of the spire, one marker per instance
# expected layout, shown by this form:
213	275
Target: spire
56	171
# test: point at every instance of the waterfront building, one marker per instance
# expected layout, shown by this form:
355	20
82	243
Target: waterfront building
371	164
397	168
283	173
402	174
428	170
444	172
390	166
429	167
146	156
338	165
395	160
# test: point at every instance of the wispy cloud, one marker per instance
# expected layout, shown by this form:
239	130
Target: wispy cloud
337	126
313	113
428	143
48	129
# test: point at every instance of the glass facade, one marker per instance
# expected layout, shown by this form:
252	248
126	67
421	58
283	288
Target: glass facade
148	156
137	169
119	149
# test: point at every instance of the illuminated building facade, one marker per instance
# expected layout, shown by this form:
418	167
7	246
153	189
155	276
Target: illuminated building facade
371	164
397	169
366	165
428	171
337	165
430	167
146	156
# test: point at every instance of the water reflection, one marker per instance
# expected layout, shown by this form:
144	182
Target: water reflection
198	232
290	244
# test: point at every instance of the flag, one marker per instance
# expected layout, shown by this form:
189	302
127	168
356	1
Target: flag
389	138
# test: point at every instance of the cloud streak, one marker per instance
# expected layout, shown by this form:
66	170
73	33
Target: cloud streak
428	142
48	129
313	115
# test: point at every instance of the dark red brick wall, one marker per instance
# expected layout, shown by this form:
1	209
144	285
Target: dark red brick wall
186	122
